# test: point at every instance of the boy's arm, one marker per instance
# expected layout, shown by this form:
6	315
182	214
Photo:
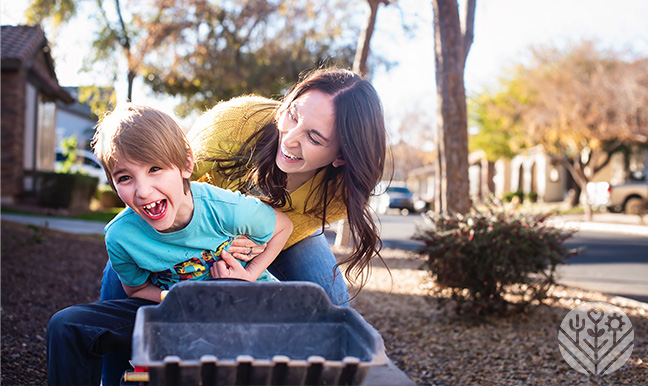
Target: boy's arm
145	291
230	268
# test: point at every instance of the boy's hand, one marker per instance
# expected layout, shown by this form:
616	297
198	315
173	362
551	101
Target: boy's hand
229	268
245	249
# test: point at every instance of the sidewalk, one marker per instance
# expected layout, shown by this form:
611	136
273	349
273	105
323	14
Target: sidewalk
68	225
604	222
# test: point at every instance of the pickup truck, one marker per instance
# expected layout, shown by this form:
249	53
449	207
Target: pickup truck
630	198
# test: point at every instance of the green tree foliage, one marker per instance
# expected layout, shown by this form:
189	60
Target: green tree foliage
100	99
501	129
59	11
115	32
238	47
580	103
207	51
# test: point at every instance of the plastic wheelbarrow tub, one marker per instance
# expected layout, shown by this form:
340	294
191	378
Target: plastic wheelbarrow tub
240	333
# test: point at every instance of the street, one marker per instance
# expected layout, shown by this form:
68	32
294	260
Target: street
612	263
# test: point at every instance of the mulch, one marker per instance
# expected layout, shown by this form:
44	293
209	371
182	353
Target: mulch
433	346
45	270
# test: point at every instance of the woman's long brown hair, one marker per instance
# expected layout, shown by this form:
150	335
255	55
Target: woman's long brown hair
360	126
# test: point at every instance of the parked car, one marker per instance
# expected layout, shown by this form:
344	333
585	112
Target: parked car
394	197
86	163
631	197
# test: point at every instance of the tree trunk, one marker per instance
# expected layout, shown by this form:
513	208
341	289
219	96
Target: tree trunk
487	174
589	213
131	78
343	236
125	43
363	48
576	169
451	48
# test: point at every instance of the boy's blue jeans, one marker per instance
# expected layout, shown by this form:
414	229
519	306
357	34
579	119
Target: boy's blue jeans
309	260
78	336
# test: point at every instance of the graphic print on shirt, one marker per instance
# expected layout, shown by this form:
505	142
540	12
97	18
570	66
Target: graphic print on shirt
192	269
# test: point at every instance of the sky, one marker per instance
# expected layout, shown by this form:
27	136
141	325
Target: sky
504	31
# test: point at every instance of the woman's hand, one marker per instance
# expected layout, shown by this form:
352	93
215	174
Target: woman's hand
245	249
229	268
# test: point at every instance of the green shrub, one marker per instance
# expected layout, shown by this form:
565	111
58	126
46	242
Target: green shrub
493	261
508	196
520	195
108	198
532	196
61	190
69	147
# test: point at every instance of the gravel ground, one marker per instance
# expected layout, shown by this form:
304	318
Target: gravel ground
42	271
434	347
431	347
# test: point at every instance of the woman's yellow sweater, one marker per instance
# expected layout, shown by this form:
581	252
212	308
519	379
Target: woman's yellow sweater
223	130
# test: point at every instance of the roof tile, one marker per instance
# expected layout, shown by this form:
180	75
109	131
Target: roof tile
20	43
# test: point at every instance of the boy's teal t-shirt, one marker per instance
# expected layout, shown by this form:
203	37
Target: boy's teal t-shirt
136	249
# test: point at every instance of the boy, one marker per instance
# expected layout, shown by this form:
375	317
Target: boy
172	230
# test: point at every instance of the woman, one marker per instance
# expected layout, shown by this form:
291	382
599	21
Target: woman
317	155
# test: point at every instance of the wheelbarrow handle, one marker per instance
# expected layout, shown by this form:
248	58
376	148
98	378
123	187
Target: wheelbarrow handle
132	376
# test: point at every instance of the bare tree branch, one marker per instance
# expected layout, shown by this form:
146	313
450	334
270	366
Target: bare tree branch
364	41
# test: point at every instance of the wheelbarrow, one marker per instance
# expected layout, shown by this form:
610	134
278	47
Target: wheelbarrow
240	333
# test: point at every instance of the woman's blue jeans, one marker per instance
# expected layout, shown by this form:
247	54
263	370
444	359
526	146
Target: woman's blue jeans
309	260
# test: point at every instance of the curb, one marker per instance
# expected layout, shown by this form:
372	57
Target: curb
626	302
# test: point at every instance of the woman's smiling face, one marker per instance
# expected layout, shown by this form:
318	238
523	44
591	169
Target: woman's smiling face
307	137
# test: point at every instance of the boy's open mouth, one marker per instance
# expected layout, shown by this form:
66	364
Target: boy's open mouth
155	209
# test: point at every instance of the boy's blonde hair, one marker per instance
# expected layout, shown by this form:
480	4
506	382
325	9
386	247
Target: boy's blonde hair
141	134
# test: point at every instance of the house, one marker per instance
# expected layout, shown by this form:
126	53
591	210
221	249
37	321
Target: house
78	119
30	91
532	170
420	182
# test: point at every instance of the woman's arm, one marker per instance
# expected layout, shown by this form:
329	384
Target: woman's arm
229	267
